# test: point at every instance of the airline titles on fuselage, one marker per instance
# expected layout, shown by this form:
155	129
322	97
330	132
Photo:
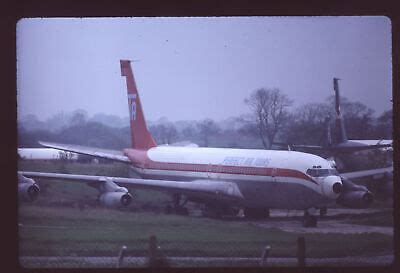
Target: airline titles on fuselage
245	161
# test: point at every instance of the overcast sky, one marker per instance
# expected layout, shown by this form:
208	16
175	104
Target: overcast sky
195	68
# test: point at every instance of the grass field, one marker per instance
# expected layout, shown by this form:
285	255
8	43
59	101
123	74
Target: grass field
47	231
55	226
65	193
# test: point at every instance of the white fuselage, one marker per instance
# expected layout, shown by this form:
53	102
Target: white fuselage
45	154
266	178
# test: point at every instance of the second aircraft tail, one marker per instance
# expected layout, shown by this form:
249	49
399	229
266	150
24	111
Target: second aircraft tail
340	132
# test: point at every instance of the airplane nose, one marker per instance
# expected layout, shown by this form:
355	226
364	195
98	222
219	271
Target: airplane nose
337	187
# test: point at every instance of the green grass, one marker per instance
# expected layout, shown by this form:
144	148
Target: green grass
98	231
384	219
101	232
66	193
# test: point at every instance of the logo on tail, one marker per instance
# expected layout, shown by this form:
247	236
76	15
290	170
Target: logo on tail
132	106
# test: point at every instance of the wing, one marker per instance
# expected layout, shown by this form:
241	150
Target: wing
340	149
218	190
335	149
308	147
351	149
96	152
365	173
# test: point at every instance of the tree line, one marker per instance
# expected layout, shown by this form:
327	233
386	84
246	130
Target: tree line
270	119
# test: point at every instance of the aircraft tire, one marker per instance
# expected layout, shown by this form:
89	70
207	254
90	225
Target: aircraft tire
212	212
309	221
168	209
256	213
181	211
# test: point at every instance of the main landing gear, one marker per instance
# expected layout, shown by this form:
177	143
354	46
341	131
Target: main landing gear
309	220
218	211
323	211
178	207
256	213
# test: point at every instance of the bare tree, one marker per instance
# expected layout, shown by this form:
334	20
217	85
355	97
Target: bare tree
357	118
206	129
164	133
79	117
308	124
189	131
171	133
384	125
268	107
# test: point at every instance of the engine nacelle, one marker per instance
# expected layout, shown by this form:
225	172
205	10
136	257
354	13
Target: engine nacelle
331	186
28	191
116	199
356	199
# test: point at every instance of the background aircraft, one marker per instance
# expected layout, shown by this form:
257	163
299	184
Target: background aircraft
45	154
223	179
349	155
339	144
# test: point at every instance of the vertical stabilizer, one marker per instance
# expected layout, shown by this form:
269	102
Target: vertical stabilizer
327	137
340	132
141	137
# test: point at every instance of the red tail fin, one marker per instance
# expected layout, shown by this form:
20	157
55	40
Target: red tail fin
141	137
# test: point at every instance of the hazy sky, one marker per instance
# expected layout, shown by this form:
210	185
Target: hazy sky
195	68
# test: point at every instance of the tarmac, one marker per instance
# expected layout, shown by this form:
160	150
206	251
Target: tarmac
336	221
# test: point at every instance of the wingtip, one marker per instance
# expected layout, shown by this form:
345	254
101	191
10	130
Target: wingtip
47	144
42	143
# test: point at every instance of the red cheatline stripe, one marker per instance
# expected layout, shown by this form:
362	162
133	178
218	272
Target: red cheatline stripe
141	159
227	170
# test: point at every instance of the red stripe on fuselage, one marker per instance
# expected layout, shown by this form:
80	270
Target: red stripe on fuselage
140	159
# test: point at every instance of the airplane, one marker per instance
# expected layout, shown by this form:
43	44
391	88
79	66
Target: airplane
345	154
28	189
340	144
223	179
45	154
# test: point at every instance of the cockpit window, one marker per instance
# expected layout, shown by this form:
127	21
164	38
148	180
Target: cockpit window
312	172
321	172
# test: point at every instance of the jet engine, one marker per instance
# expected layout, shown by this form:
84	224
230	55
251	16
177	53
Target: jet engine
116	199
112	195
28	190
332	187
356	199
354	196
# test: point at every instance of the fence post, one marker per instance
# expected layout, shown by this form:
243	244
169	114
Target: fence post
121	256
264	255
155	257
152	247
301	251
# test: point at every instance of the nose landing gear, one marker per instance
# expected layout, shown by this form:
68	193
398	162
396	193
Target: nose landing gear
309	220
